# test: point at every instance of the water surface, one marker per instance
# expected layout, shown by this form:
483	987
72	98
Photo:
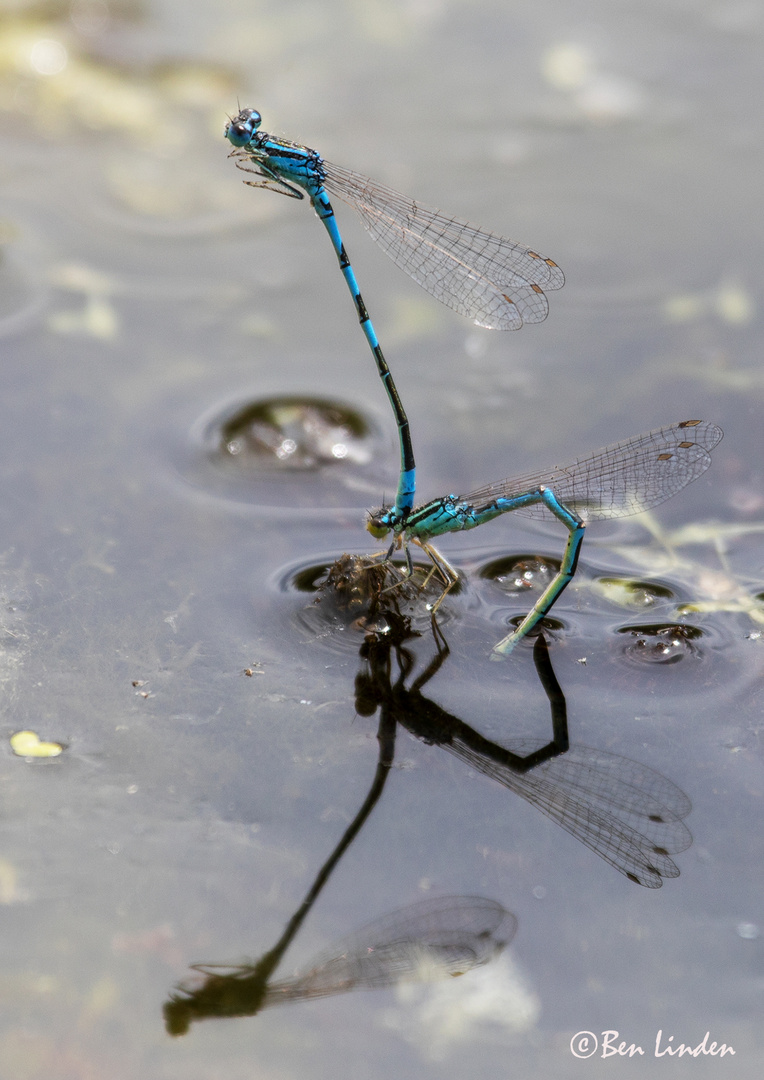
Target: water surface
159	616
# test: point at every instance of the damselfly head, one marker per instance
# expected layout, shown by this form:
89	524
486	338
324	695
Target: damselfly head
240	129
379	523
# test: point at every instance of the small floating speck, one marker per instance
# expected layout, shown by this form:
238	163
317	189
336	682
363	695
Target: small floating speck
29	745
748	931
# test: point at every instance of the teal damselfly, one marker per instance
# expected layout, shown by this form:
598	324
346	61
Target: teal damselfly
496	282
626	478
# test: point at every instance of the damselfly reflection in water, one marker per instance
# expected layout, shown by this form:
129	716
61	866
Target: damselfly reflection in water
627	813
436	938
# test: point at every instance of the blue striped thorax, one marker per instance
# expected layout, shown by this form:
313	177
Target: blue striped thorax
432	519
279	161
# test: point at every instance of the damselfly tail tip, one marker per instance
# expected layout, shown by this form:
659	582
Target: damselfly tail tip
505	646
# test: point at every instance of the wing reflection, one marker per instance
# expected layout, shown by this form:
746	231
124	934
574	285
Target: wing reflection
444	936
629	814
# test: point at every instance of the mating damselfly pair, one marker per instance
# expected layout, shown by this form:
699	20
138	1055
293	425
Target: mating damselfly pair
499	284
